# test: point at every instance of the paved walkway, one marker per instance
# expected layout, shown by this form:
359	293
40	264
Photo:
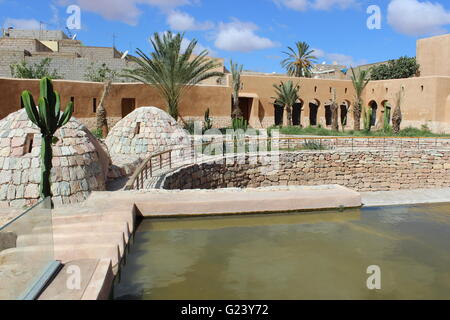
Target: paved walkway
400	197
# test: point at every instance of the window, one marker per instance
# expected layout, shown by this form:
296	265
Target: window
28	146
315	89
137	129
421	87
387	90
346	90
94	105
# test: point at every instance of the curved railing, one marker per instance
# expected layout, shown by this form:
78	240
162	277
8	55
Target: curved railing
158	164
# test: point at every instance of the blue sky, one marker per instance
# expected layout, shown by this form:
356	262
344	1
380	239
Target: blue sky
252	32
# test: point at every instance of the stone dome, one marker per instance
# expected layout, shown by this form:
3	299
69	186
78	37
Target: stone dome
80	165
145	131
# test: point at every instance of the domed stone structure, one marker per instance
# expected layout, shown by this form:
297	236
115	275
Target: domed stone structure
145	131
80	165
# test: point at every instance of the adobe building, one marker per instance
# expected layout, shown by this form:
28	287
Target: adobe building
426	99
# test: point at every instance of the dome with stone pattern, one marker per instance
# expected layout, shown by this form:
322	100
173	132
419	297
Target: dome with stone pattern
80	165
145	131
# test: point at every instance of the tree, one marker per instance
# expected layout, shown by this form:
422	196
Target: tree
100	74
287	95
404	67
360	82
397	116
236	71
39	70
172	68
299	61
102	121
49	119
334	111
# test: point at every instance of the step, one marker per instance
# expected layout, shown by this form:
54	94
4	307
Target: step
58	288
60	239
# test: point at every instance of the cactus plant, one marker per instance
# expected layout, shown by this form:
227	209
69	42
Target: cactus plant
367	119
208	122
49	119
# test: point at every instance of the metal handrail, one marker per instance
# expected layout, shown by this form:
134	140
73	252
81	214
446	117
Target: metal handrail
148	168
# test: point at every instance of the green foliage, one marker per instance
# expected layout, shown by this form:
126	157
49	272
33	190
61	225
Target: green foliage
360	82
387	119
189	126
98	133
207	125
239	124
404	67
287	96
100	74
367	119
48	118
313	145
39	70
172	67
299	61
236	71
314	131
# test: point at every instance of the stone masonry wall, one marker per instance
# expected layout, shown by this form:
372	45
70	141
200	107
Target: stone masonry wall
361	171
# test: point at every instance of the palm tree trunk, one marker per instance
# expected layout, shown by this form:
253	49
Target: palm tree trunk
237	113
102	121
334	117
357	116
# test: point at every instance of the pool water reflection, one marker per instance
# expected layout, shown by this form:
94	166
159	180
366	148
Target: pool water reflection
321	255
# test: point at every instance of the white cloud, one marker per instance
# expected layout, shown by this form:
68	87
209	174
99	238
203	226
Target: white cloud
24	24
337	58
126	11
241	36
198	48
304	5
181	21
417	18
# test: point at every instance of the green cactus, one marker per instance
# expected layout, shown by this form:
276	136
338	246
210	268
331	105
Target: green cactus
49	119
208	122
367	119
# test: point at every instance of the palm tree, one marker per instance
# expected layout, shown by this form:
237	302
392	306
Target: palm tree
171	68
236	71
300	61
360	82
397	116
334	111
102	120
287	95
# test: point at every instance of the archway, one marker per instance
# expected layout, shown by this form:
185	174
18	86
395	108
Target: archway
387	113
344	109
279	111
328	114
374	106
313	110
296	113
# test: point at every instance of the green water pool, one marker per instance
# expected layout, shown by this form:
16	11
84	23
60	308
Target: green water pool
321	255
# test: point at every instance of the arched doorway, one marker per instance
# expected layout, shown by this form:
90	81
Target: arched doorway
296	113
387	113
313	110
279	111
328	114
374	106
344	109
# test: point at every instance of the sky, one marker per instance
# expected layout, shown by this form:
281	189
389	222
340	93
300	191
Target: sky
254	33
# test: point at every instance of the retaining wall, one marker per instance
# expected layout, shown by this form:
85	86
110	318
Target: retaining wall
360	170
